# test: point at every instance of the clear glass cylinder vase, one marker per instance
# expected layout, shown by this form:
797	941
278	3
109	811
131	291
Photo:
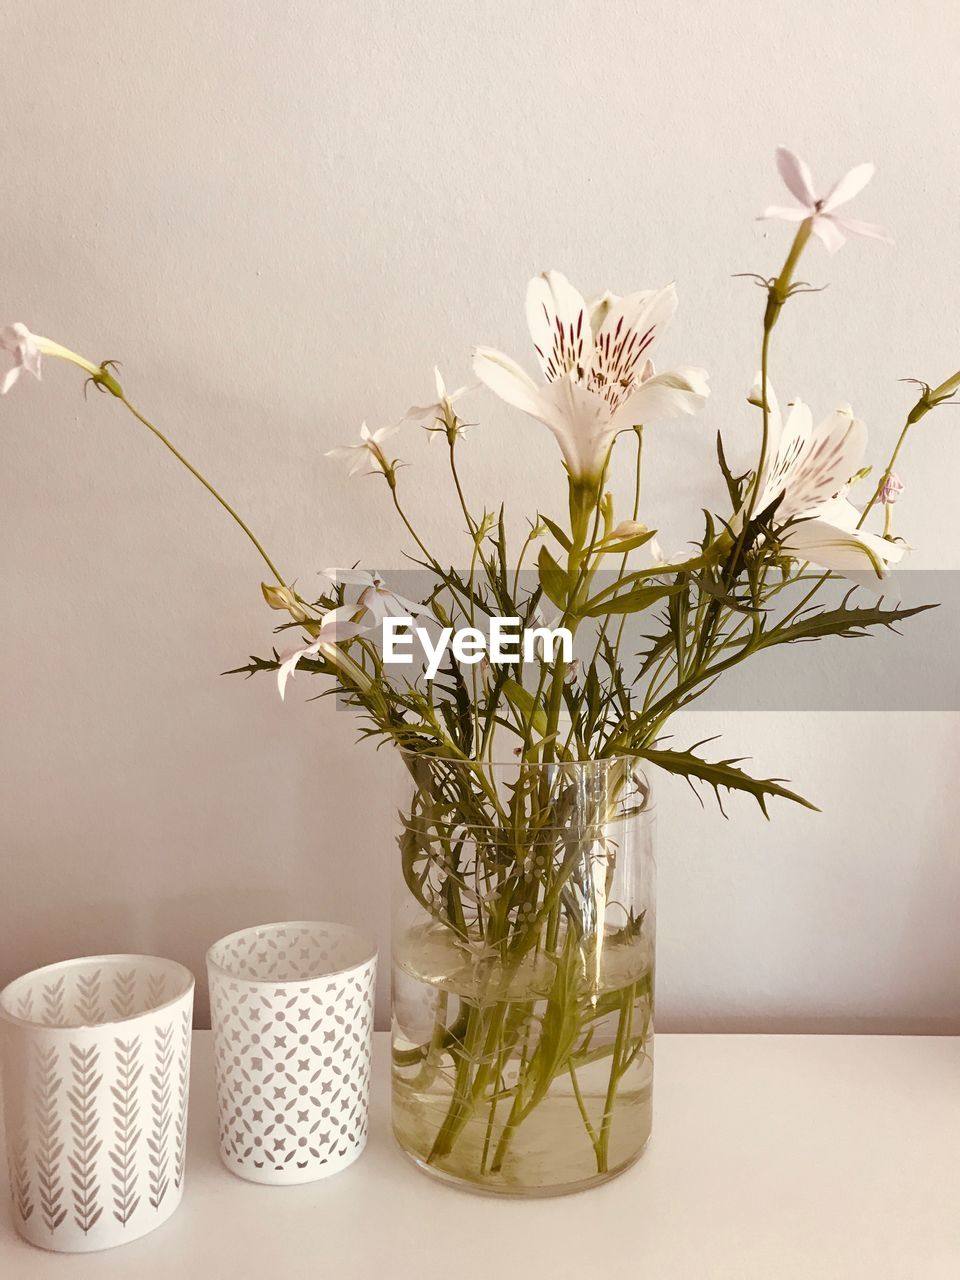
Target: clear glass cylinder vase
523	972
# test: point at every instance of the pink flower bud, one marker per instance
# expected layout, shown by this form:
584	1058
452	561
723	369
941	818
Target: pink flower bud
892	489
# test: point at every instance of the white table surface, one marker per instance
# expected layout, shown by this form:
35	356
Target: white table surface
773	1158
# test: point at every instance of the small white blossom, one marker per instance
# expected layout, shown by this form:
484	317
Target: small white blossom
831	227
19	342
359	455
439	416
27	348
336	626
377	600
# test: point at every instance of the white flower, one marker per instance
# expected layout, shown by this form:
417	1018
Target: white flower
337	625
828	536
599	378
807	473
23	346
27	349
662	559
437	416
368	449
377	600
832	228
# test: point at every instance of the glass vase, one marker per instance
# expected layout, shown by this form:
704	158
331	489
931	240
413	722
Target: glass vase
523	972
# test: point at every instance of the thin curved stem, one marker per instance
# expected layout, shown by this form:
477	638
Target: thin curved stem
207	485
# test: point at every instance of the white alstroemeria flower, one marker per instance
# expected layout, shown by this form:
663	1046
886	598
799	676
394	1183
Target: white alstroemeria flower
828	536
376	599
366	451
807	475
599	378
832	228
27	349
435	417
335	626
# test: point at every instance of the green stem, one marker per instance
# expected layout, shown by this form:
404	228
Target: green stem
206	484
584	1114
624	1027
777	294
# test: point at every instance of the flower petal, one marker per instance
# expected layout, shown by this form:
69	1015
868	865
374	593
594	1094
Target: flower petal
786	447
286	669
384	433
599	307
830	545
796	176
829	232
792	213
465	390
9	378
559	326
583	424
347	577
683	390
506	379
850	185
423	413
288	664
854	227
630	326
773	406
338	625
406	606
814	465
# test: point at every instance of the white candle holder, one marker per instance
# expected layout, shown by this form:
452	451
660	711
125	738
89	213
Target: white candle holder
96	1073
292	1014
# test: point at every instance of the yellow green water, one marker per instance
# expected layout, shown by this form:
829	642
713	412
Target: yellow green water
594	1115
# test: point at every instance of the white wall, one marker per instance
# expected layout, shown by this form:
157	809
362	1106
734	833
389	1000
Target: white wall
279	216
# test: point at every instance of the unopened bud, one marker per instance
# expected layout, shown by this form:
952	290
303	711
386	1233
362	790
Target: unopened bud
626	529
892	489
283	598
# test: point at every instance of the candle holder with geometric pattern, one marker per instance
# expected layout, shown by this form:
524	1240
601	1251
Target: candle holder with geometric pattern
291	1007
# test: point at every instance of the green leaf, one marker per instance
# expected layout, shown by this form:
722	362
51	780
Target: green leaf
851	623
634	601
734	483
723	774
657	571
557	532
553	579
717	592
522	700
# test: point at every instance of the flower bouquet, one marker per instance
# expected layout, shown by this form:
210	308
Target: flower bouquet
524	932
